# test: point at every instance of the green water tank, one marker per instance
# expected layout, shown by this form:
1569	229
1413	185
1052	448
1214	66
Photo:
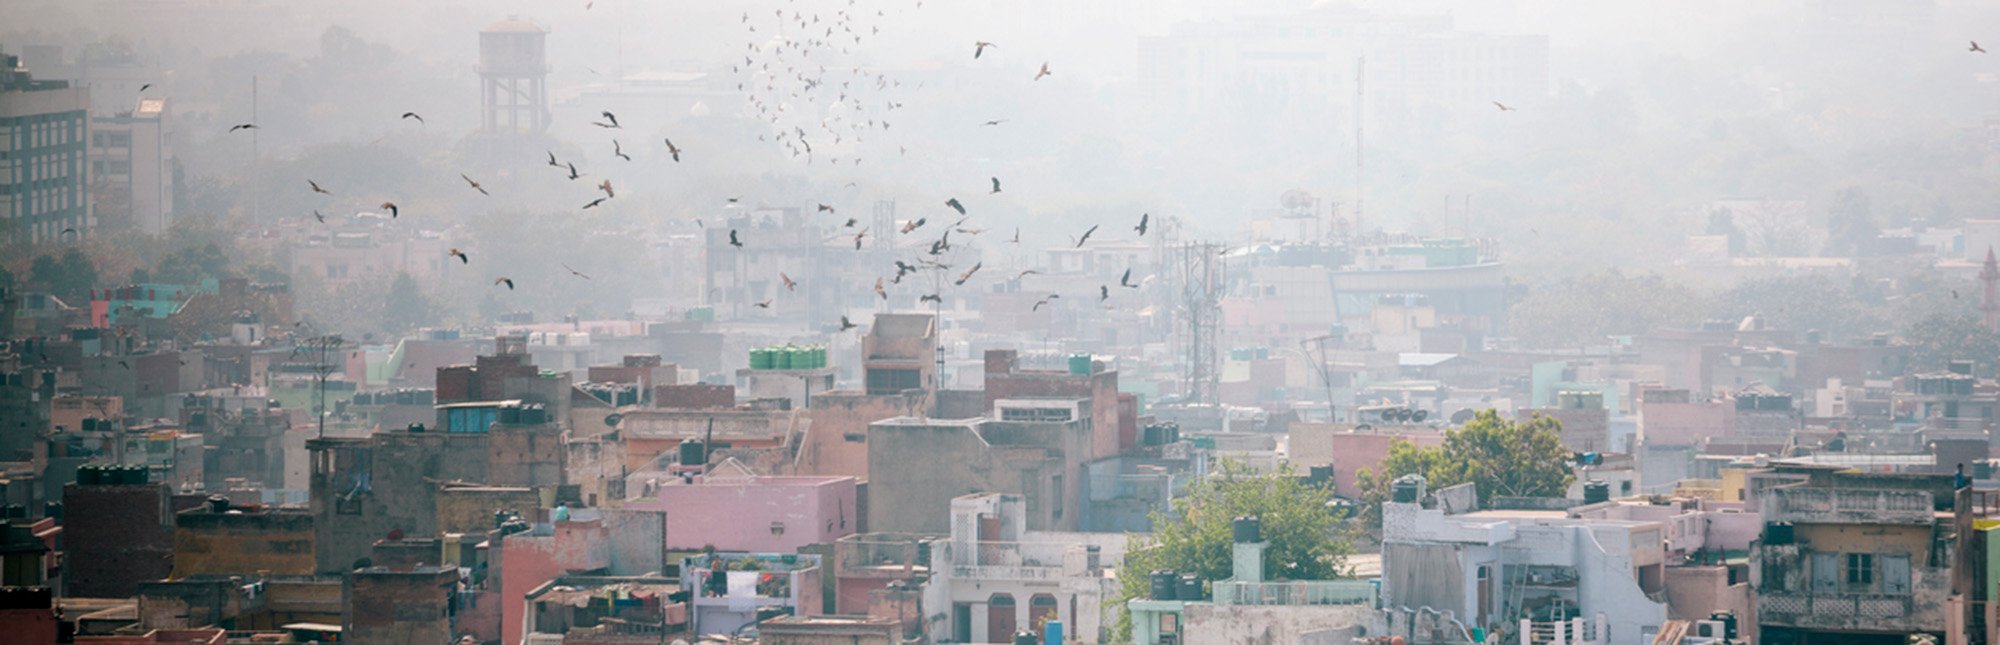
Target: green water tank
787	355
760	358
1079	364
819	357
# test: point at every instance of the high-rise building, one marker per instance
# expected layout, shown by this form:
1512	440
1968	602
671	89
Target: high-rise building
131	167
42	171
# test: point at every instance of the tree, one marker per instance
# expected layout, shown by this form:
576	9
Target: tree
1500	457
407	306
1307	540
192	264
1584	310
69	277
1941	338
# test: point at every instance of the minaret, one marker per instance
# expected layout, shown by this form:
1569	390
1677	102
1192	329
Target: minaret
1989	306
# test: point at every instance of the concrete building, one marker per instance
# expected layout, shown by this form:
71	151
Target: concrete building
549	550
918	466
513	75
415	605
867	564
758	514
1248	608
215	539
132	167
44	177
603	609
900	353
1347	448
1850	564
731	590
1448	565
996	575
116	536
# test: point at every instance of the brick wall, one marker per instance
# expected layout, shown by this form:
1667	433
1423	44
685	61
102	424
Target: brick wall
115	537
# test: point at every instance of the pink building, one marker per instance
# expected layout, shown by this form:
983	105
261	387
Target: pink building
1347	451
527	560
754	513
1669	418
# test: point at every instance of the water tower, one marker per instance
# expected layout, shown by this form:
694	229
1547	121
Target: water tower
513	77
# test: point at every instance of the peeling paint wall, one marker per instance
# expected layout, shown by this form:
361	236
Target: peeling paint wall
1253	625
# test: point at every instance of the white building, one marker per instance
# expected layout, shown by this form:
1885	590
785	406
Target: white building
132	166
994	577
1448	568
42	170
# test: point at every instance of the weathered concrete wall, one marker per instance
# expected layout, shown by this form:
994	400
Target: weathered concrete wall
638	542
116	537
1264	625
224	544
1695	592
525	455
1583	430
758	514
470	509
1685	424
1337	445
597	467
385	607
527	561
400	470
836	443
1100	388
916	468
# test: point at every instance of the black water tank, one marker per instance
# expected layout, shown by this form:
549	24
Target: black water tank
1596	491
217	504
1317	475
510	414
1245	529
1024	637
692	453
1778	533
1188	587
534	414
1162	584
53	510
500	517
1406	489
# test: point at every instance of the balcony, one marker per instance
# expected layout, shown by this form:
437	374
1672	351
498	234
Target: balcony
1846	506
1295	593
1010	560
884	555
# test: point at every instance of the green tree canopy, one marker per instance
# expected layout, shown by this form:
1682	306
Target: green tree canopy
1941	338
1502	458
70	276
1307	540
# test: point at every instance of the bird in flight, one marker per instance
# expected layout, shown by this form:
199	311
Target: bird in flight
790	285
1045	72
671	150
1503	106
606	187
763	305
1975	48
996	185
573	174
995	122
317	216
125	365
1017	236
732	239
1025	273
506	281
1086	236
475	185
1141	228
845	325
850	223
1103	293
243	126
593	203
953	203
823	208
393	211
619	151
462	259
1126	280
142	88
1044	301
968	273
608	117
930	297
913	225
979	47
574	272
316	188
878	289
857	238
413	115
552	160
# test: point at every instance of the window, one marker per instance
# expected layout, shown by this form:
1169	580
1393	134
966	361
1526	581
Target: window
1896	574
1860	570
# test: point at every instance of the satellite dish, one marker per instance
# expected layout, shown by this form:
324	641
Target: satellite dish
1462	415
1297	199
1402	414
1419	415
612	419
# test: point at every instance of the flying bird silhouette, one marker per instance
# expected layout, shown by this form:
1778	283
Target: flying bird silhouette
930	297
574	272
393	211
142	88
671	150
462	259
1103	293
413	115
243	126
857	238
1026	273
1143	218
475	185
1977	48
845	325
878	289
968	273
317	216
1126	280
996	185
1045	72
1086	236
763	305
593	203
619	151
732	239
789	284
316	188
850	223
573	174
125	365
1044	301
608	117
823	208
979	47
1017	236
606	187
913	225
953	203
552	160
1503	107
506	281
995	122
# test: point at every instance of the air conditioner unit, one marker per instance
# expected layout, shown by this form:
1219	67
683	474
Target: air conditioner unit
1710	629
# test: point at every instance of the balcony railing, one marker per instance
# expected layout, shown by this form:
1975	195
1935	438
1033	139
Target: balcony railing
1847	506
1008	560
1294	593
1796	608
888	556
